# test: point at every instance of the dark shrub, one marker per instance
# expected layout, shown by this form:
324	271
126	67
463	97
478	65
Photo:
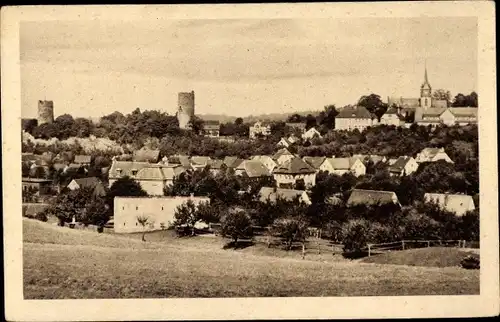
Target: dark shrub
470	262
42	216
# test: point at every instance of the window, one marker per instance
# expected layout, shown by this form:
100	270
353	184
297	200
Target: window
136	208
123	208
161	208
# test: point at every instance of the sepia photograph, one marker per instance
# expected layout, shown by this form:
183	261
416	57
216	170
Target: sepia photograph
250	154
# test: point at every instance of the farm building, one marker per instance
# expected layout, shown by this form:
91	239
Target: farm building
403	166
458	204
160	212
271	194
91	182
371	197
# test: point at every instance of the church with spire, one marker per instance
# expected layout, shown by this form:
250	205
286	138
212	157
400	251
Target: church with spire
408	106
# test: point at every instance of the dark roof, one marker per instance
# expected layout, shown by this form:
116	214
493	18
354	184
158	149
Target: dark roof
90	182
146	155
294	166
254	169
400	164
354	112
82	159
232	162
314	162
371	197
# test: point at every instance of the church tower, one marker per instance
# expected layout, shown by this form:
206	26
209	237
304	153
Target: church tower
425	92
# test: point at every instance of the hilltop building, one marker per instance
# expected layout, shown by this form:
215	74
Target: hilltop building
45	112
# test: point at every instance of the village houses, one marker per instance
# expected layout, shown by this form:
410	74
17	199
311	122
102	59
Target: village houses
282	155
211	128
402	166
432	155
266	160
457	204
310	134
287	141
392	117
253	169
314	162
270	194
259	129
292	171
340	166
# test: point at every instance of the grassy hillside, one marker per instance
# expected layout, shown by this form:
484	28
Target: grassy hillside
430	257
63	263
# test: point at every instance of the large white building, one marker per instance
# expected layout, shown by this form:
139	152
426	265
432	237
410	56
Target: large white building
354	117
160	212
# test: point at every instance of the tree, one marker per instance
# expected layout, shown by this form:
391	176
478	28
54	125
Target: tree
96	212
373	103
238	121
143	221
291	229
236	224
355	234
295	118
310	121
441	94
29	125
71	204
187	215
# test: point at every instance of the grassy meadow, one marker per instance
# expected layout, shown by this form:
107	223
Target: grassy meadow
60	263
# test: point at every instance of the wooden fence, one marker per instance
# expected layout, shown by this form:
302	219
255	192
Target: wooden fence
407	244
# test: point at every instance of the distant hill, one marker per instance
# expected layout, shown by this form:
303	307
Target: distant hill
253	118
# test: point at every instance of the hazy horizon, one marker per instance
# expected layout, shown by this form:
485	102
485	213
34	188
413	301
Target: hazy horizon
240	67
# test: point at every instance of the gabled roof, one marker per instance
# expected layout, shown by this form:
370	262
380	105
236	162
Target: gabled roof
451	202
433	112
314	162
341	163
263	158
358	112
272	194
146	155
280	152
126	168
159	172
371	197
90	182
294	166
431	152
232	162
400	164
464	111
254	169
82	159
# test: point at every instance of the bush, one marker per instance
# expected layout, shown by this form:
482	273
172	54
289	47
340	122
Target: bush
236	225
42	216
355	234
470	262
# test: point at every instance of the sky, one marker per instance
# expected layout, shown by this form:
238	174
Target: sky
240	67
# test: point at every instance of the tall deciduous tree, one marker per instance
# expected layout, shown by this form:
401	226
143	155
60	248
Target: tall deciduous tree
236	224
373	103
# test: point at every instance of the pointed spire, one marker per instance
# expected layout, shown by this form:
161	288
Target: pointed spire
425	76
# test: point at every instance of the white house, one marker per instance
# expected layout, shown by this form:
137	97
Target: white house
392	117
350	118
340	166
290	172
311	133
259	128
266	160
403	166
458	204
272	194
432	155
160	212
282	155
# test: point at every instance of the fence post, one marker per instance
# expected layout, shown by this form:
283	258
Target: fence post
303	250
319	248
369	250
428	244
403	244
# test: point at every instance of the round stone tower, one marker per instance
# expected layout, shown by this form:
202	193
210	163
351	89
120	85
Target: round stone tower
185	111
45	112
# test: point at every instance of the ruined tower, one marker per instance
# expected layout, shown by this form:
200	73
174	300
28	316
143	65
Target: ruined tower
185	109
45	112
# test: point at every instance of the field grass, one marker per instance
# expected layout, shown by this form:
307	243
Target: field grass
62	263
429	257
